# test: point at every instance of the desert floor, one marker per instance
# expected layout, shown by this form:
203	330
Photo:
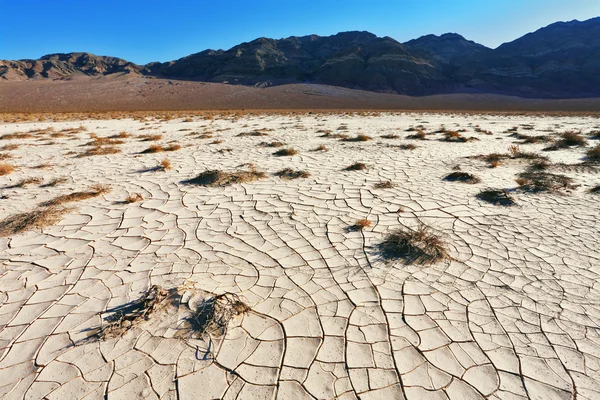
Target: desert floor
117	300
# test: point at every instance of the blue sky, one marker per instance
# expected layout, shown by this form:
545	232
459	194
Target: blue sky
151	30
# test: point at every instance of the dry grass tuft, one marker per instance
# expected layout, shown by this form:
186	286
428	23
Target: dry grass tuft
9	147
26	221
94	191
568	139
285	152
464	177
55	182
359	138
214	314
390	136
29	181
154	148
253	133
384	185
271	144
420	246
125	317
356	167
120	135
543	182
6	169
321	147
496	196
288	173
165	164
420	135
216	178
150	138
593	154
361	224
100	151
135	197
330	135
595	189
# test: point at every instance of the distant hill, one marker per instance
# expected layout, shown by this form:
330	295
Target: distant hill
561	60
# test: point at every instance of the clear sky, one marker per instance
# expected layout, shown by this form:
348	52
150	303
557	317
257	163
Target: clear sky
149	30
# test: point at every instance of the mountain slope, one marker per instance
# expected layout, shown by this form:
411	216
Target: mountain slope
561	60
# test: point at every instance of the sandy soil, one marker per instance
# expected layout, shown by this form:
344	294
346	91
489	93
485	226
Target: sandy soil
514	313
141	93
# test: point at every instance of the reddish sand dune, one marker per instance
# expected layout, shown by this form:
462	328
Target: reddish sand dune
140	93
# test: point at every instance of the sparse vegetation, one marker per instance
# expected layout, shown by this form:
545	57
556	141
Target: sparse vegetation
496	196
94	191
218	178
29	181
285	152
595	189
321	147
384	185
543	182
253	133
134	197
356	167
359	138
421	246
165	164
420	135
390	136
361	224
464	177
150	138
37	219
568	139
6	169
271	144
55	182
289	173
214	314
593	154
100	151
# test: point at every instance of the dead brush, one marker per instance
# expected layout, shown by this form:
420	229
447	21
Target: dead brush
120	135
216	178
55	182
37	219
100	151
361	224
407	147
164	165
593	154
289	173
463	177
356	167
6	169
252	133
384	185
125	317
9	147
4	156
94	191
321	147
17	135
358	138
595	190
420	135
496	196
28	181
330	135
543	182
390	136
212	316
568	139
150	138
285	152
420	246
271	144
133	198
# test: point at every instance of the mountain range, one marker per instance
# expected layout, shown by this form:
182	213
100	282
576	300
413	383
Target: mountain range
561	60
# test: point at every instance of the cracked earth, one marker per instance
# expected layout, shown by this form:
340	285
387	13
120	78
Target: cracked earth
514	313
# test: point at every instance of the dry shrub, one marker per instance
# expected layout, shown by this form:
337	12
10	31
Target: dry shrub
390	136
595	189
271	144
407	147
359	138
165	164
593	154
4	156
464	177
321	147
100	151
496	196
120	135
543	182
6	169
18	135
135	197
527	139
361	224
150	138
125	317
455	137
420	246
214	314
356	167
288	173
568	139
29	181
154	148
55	182
330	135
285	152
253	133
384	185
104	141
94	191
9	147
420	135
173	147
216	141
216	178
26	221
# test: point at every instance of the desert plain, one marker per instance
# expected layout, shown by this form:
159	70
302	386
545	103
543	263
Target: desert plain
136	264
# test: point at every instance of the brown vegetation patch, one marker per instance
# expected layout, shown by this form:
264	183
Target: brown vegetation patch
6	169
285	152
359	138
214	314
568	139
9	147
420	246
321	147
288	173
100	151
390	136
252	133
593	154
384	185
150	138
543	182
420	135
135	197
271	144
356	167
55	182
496	196
94	191
216	178
26	221
464	177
